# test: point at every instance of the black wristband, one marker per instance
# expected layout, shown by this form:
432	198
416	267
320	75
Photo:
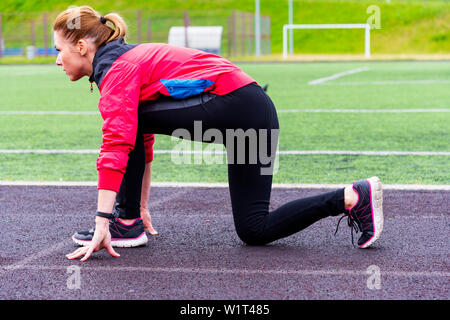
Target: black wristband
105	215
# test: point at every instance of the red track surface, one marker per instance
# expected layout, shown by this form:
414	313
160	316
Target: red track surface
199	256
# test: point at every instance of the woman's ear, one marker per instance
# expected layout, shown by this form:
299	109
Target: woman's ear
83	47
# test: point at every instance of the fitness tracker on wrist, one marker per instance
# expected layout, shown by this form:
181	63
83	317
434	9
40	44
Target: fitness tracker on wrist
105	215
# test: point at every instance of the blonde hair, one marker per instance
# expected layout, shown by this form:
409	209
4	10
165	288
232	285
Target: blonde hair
77	23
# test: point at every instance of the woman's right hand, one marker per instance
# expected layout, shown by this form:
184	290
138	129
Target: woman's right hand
147	219
101	240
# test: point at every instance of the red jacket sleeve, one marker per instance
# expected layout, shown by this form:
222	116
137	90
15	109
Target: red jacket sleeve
118	106
149	140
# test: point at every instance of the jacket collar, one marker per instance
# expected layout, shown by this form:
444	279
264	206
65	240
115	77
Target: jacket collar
105	56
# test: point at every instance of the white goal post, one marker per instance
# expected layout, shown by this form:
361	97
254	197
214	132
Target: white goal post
327	26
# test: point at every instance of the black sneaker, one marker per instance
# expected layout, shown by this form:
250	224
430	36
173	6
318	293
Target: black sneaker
122	235
367	214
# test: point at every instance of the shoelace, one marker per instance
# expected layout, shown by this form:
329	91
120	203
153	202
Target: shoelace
352	222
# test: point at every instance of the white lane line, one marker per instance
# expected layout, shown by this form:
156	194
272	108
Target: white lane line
162	200
404	187
365	153
50	151
30	73
96	113
49	183
387	82
44	113
218	152
24	262
363	110
236	271
225	214
337	75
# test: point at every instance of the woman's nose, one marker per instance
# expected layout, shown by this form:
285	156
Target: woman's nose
58	61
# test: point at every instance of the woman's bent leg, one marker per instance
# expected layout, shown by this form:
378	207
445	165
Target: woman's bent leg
128	200
250	185
250	198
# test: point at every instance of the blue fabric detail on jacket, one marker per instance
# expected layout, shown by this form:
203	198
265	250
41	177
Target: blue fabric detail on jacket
185	88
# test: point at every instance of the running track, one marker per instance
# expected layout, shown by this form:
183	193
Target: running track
198	255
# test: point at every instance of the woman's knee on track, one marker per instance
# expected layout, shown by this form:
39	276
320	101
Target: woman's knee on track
251	236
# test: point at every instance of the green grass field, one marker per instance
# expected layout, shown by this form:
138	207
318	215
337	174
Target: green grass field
407	26
384	86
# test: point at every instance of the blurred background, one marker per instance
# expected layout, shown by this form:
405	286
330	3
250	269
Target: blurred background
400	28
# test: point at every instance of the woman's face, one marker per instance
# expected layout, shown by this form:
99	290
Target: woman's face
75	60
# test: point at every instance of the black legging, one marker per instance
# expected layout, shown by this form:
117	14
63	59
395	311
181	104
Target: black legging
246	108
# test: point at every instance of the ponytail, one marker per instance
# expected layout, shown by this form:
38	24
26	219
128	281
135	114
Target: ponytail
120	27
84	22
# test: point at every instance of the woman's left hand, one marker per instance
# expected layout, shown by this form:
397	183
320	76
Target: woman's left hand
101	240
147	220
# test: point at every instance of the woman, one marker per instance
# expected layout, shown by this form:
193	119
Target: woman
131	213
211	92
